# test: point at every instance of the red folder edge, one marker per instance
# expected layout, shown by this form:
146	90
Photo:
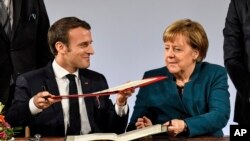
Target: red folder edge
154	79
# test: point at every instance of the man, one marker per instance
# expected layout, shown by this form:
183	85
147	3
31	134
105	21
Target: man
23	40
237	56
70	41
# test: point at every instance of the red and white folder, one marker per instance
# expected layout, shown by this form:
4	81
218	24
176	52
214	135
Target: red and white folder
117	89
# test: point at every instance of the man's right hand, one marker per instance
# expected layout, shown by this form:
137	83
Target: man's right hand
43	100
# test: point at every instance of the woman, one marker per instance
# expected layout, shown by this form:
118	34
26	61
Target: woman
194	100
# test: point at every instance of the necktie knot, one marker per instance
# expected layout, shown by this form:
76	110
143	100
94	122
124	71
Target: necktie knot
71	77
72	83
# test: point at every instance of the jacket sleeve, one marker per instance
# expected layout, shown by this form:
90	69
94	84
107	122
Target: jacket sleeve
105	117
218	105
140	108
19	113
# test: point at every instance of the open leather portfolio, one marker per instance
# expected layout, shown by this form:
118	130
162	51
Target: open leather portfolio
131	135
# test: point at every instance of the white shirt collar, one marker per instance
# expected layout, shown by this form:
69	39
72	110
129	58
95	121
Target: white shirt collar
60	72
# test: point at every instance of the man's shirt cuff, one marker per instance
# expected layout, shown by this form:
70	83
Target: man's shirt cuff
121	110
33	109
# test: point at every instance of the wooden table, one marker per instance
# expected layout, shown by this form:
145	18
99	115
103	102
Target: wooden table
157	138
201	138
42	139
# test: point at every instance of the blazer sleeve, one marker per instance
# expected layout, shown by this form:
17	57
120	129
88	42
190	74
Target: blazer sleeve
234	47
140	108
116	124
218	104
104	116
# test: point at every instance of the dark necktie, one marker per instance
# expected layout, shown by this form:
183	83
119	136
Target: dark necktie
74	127
5	19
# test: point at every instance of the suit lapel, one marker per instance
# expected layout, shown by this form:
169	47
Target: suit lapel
3	34
52	87
248	2
17	4
50	81
85	82
86	88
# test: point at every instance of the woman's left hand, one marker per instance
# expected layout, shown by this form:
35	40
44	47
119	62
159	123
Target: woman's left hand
175	126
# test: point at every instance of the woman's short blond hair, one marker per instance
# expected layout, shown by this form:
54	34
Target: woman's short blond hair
194	33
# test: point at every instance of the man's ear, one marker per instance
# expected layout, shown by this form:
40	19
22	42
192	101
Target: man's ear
60	47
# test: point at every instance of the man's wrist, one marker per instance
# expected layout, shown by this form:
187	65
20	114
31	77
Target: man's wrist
120	104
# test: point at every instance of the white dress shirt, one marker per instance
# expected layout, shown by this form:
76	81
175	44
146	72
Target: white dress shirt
9	5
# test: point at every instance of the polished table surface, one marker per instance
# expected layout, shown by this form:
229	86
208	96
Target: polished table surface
42	139
204	138
158	138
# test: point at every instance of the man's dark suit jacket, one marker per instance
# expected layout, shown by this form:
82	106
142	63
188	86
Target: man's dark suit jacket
50	122
237	56
27	49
